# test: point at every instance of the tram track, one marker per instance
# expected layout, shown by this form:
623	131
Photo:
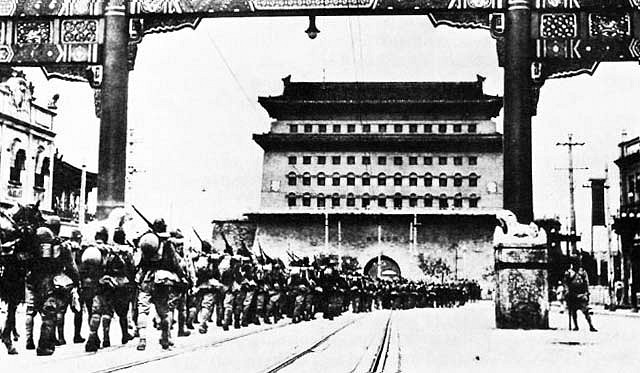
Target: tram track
184	350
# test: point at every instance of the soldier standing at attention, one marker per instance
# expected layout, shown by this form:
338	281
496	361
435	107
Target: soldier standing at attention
577	285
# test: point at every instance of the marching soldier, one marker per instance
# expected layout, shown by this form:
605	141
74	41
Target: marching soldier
208	284
577	284
159	273
51	277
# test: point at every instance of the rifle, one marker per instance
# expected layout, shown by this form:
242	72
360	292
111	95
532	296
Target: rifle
13	222
197	235
227	248
143	218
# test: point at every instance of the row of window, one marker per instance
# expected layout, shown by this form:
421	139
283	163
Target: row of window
18	165
382	160
365	179
633	188
384	128
398	200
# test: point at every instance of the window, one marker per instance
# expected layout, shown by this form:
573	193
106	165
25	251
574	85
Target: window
351	200
322	159
457	200
335	180
397	128
366	181
457	180
428	128
366	160
292	160
382	161
473	201
44	171
366	128
397	161
457	128
473	180
382	179
472	128
18	166
306	200
320	201
306	159
442	161
442	128
382	128
366	201
382	201
413	180
428	180
351	128
428	200
336	128
351	180
321	179
335	200
322	128
335	159
457	161
306	179
442	180
397	179
630	189
292	179
351	160
307	128
397	201
293	128
413	200
413	128
413	161
443	202
428	161
291	200
473	161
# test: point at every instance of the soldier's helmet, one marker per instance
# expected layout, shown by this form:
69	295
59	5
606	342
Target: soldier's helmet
119	236
149	243
159	226
76	234
91	256
102	234
53	223
45	235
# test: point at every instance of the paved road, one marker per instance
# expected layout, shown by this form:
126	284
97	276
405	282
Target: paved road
420	340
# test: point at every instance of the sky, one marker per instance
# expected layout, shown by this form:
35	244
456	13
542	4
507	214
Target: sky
193	106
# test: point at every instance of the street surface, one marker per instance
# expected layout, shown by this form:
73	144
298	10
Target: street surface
419	340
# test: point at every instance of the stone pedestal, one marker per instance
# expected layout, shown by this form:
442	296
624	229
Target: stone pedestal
522	289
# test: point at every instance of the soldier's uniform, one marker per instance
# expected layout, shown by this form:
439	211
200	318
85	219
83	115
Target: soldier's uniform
184	286
49	282
577	298
157	277
208	284
112	291
276	283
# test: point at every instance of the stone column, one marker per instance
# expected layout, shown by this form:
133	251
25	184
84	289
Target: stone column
113	117
518	192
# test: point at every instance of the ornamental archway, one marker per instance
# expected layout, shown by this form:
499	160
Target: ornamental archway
389	268
96	41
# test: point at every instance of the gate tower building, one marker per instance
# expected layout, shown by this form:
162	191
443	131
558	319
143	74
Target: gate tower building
398	167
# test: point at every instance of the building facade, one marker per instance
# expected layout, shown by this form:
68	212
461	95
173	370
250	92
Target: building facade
406	168
627	222
27	140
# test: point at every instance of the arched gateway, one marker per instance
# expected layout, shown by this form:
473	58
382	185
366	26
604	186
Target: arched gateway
389	268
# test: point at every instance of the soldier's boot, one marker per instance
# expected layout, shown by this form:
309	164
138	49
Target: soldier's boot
11	350
77	328
106	331
29	331
93	342
203	328
142	344
588	317
164	337
46	345
60	327
191	318
236	323
124	328
182	320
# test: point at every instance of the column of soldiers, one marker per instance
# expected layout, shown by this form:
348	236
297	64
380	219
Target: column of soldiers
112	275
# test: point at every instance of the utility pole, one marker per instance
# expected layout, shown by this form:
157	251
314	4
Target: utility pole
610	269
572	208
379	251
